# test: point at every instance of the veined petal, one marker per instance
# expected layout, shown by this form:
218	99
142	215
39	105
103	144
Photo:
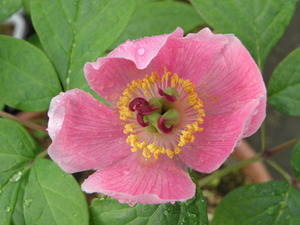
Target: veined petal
124	64
219	65
139	180
216	142
85	133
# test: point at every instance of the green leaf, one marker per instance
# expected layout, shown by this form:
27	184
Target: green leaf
26	5
275	202
53	197
18	213
110	211
17	146
168	15
8	7
27	81
17	150
34	40
284	85
295	159
259	24
1	106
74	32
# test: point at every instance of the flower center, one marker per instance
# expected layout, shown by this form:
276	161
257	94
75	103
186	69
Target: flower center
161	114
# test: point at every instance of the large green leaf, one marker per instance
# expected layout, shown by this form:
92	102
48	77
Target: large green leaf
295	160
272	203
110	211
284	85
27	80
8	7
17	150
168	15
53	197
258	23
74	32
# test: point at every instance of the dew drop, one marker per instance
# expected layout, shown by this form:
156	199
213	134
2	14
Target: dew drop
141	51
166	212
16	177
284	205
27	202
131	203
7	209
271	211
191	215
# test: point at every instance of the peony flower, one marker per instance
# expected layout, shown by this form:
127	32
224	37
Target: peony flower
176	102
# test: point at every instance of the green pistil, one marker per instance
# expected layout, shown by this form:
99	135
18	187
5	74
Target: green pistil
152	119
164	109
172	91
171	117
157	103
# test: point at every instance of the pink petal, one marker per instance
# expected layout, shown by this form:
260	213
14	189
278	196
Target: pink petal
85	133
225	73
221	134
191	57
136	180
124	64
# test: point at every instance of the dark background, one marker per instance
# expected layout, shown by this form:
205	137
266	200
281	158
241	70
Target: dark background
280	128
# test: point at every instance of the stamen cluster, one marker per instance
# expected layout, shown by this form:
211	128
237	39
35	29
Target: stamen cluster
161	115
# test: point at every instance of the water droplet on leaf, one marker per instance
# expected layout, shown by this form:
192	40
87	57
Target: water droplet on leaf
7	209
166	212
191	215
27	202
271	211
16	177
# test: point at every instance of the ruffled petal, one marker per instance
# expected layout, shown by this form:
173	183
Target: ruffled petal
138	180
219	65
192	56
85	133
124	64
216	142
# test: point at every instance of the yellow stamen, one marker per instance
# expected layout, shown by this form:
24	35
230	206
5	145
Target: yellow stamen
145	87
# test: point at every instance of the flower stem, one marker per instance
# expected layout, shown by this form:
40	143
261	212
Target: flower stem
220	173
280	147
280	170
41	154
24	122
263	136
260	156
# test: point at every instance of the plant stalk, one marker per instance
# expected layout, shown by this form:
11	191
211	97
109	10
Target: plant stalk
222	172
280	170
24	122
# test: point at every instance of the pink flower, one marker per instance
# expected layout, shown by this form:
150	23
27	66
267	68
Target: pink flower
176	102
